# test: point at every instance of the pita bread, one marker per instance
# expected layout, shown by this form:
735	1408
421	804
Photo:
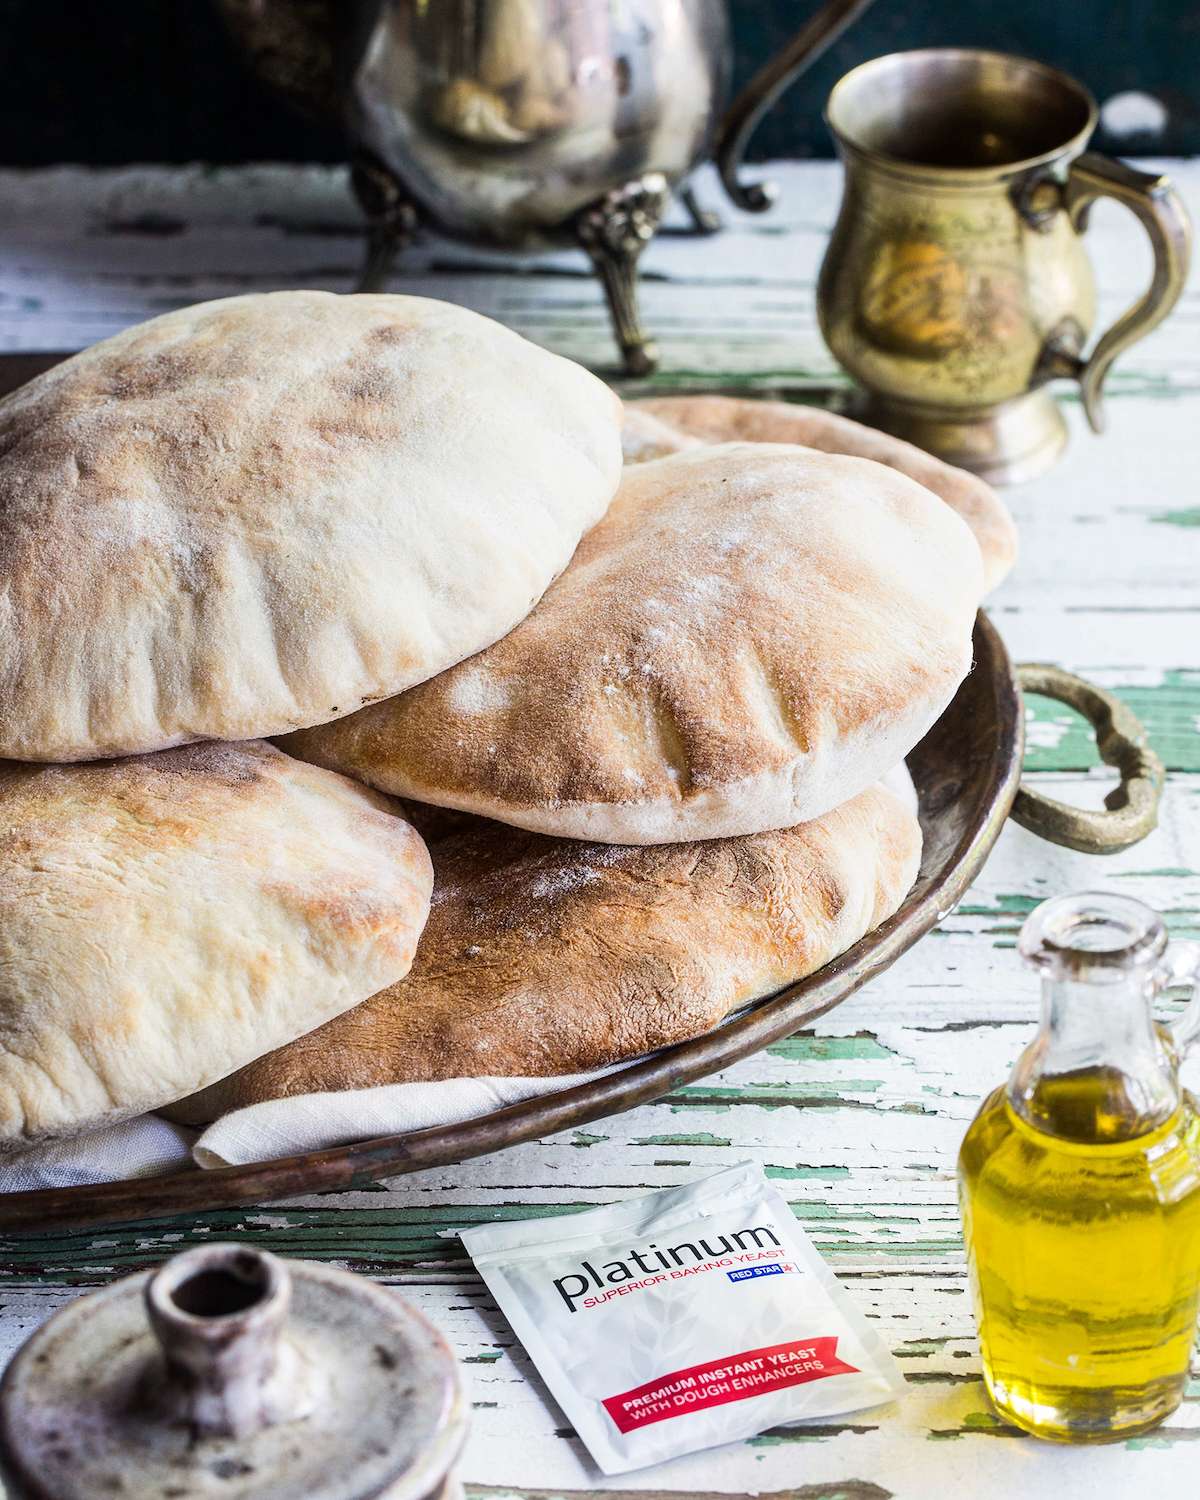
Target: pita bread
752	635
651	425
644	437
547	956
165	919
260	513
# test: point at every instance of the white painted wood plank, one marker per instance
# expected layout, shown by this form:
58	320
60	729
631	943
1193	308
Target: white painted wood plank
1108	580
862	1145
74	266
941	1438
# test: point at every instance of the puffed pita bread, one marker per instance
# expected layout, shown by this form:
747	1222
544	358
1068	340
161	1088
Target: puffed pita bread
547	956
645	436
259	513
165	919
668	424
752	635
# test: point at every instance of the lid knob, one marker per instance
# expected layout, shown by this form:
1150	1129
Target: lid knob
218	1314
234	1375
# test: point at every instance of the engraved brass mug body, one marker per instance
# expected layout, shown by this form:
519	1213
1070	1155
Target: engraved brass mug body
956	284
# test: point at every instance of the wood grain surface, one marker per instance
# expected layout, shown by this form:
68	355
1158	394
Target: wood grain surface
859	1117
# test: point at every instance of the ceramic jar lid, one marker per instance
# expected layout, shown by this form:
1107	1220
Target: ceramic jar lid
231	1371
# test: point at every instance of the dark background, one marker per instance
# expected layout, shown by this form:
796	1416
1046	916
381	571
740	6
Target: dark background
109	81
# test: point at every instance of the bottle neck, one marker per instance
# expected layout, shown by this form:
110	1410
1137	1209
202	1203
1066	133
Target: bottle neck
1099	1069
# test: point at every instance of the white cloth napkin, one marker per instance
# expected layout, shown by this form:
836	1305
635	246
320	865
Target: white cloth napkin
147	1146
900	782
308	1122
142	1147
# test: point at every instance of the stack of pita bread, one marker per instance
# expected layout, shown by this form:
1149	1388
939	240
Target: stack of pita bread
638	713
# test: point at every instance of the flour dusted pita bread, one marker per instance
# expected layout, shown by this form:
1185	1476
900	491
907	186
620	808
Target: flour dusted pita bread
753	634
645	436
667	424
260	513
547	956
165	919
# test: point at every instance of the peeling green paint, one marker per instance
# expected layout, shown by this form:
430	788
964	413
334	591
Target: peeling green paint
376	1240
579	1139
836	1086
826	388
1182	921
974	1424
807	1094
989	1419
1059	739
811	1432
701	1139
791	1174
805	1047
1018	905
765	1440
1177	518
1165	1437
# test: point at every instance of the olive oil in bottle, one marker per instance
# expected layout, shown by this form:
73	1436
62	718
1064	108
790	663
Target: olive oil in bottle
1079	1184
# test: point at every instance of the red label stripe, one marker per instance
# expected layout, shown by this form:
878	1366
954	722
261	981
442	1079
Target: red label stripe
737	1378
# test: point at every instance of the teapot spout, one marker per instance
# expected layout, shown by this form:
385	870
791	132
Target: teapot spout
741	120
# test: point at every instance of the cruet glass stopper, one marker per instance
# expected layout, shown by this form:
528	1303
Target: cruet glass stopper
1100	1067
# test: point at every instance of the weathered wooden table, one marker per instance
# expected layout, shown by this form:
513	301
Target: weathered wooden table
859	1119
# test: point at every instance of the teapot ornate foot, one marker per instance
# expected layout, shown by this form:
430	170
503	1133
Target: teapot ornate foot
614	231
391	218
704	220
524	125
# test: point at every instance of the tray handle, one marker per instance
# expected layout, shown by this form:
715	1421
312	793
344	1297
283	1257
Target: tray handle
1121	740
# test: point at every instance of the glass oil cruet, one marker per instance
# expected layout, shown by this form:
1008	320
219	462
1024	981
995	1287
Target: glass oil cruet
1079	1183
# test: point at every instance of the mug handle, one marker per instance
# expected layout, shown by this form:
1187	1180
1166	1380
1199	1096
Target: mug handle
1156	203
741	119
1121	740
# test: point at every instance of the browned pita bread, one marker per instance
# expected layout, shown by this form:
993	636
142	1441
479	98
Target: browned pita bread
545	956
752	634
165	919
667	424
262	512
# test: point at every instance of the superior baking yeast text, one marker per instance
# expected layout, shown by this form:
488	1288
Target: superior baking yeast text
672	1261
683	1319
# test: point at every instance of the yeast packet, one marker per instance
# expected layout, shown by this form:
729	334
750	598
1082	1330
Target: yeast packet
684	1319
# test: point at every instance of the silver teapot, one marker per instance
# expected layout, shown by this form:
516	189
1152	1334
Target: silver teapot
527	123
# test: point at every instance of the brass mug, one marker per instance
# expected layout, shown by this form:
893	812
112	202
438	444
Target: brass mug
956	284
